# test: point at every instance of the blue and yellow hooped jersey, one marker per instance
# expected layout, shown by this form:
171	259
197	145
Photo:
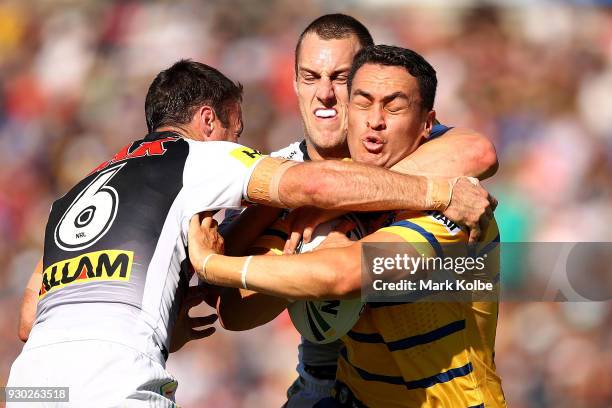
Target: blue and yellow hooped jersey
425	354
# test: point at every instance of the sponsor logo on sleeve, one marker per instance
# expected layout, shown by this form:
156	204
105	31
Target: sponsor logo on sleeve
245	155
109	265
450	226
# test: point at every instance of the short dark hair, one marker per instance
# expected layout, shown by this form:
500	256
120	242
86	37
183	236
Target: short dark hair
335	27
178	91
413	62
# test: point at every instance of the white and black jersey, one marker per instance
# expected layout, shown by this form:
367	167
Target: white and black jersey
115	262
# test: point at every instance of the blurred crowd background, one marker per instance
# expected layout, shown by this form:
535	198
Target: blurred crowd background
536	77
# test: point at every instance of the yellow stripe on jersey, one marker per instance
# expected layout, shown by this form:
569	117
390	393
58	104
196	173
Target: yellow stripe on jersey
426	354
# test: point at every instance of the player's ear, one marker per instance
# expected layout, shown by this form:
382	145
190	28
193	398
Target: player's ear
430	121
295	85
207	117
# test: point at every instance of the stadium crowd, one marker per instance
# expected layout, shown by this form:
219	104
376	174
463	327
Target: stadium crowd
537	79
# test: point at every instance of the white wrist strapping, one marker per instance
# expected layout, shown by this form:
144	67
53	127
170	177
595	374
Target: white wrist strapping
243	272
204	265
439	192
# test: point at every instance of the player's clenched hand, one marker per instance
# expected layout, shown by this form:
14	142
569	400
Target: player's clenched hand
302	223
203	239
471	206
189	328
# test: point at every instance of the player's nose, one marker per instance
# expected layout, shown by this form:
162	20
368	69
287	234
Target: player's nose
325	92
376	120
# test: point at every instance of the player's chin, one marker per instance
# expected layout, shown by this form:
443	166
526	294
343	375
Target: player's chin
373	159
329	138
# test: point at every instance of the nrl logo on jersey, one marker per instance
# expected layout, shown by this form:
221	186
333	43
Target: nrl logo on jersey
110	265
450	226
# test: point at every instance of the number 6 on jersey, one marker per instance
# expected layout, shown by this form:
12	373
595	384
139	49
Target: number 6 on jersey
90	215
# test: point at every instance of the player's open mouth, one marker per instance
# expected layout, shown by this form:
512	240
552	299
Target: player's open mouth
326	113
373	144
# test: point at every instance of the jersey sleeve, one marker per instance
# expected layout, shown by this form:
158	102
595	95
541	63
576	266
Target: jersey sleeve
216	176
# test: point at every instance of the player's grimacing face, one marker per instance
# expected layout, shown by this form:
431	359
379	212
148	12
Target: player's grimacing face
322	72
386	119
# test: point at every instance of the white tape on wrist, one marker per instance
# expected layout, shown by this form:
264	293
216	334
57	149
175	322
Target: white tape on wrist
204	265
243	272
439	192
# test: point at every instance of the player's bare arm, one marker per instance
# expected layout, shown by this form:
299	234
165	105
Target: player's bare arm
27	312
242	309
359	187
269	307
460	151
330	273
244	230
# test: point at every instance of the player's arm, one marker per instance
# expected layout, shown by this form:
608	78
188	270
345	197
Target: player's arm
333	273
339	185
358	187
240	233
459	152
29	302
241	309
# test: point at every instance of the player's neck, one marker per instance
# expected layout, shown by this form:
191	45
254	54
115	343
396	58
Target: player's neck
336	153
186	132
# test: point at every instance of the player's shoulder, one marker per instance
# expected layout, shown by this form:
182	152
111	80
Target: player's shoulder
220	151
216	145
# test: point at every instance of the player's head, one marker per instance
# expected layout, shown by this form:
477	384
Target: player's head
323	58
196	98
392	92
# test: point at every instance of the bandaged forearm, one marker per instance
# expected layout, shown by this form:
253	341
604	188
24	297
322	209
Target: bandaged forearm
439	192
265	181
346	186
439	189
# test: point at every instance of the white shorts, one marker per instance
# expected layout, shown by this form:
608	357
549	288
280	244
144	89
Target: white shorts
98	374
307	391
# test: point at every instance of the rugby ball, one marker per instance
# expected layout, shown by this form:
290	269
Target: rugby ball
325	321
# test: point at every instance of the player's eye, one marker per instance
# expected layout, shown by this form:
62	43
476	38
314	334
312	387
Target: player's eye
341	79
361	102
309	78
395	108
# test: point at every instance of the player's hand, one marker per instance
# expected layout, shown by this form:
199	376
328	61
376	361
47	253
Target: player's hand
302	223
337	238
189	328
203	239
471	206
